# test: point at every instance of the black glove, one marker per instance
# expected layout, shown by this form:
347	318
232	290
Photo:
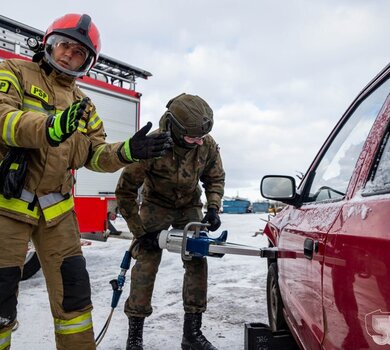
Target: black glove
212	218
141	146
149	241
63	124
13	171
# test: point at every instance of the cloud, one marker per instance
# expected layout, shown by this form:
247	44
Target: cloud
278	74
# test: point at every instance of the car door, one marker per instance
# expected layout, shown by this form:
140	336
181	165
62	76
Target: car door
324	193
357	260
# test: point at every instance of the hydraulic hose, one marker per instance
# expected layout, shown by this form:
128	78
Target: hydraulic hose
117	287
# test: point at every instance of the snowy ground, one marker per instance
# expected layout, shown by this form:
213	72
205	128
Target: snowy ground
236	295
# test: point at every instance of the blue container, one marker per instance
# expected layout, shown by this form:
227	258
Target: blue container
236	206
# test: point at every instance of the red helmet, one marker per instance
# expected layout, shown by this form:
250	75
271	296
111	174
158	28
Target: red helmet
79	28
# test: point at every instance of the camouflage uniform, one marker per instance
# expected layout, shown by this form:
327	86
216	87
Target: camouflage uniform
170	197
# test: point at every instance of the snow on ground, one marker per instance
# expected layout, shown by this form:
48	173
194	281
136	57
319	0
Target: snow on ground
236	295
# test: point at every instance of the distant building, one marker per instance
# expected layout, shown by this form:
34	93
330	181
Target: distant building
236	205
260	207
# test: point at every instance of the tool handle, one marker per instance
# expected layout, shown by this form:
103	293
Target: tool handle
115	298
126	261
198	225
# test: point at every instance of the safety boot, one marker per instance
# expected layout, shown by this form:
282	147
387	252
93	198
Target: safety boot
136	327
193	339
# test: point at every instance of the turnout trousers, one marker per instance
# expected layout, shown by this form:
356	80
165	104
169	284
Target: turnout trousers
59	251
143	273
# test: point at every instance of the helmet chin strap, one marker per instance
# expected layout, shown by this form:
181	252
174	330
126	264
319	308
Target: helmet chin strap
45	65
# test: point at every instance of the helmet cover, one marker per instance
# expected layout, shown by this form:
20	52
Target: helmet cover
189	115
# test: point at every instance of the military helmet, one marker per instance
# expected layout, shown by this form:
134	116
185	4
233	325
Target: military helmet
189	115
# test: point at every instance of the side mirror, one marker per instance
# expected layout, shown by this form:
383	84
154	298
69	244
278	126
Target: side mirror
279	188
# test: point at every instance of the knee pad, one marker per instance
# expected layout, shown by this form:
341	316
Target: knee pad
9	281
75	280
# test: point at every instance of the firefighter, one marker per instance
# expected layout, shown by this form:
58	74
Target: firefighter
48	128
171	196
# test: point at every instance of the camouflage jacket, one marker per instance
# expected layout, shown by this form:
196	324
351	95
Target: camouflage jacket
172	181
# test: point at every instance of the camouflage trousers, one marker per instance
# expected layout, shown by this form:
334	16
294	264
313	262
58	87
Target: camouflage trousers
143	273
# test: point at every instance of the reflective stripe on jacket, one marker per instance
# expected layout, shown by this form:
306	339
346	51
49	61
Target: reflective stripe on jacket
52	205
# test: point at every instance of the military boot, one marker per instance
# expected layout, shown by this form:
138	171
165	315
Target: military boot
193	339
136	327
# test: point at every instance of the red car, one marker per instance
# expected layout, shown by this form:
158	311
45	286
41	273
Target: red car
330	279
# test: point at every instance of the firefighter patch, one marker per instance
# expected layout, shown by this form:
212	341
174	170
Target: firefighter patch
38	92
4	86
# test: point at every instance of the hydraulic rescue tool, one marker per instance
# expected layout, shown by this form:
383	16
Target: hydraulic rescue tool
195	241
192	241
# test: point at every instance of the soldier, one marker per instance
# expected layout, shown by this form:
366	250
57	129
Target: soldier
48	128
171	197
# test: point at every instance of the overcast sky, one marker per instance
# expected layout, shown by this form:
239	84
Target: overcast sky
278	74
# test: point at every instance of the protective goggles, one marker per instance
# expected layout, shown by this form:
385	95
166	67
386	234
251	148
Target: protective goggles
197	140
189	129
73	46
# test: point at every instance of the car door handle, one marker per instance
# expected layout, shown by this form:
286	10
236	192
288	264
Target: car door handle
309	248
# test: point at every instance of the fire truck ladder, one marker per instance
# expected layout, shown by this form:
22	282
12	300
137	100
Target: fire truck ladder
19	38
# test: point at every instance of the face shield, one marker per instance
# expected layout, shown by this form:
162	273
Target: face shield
68	56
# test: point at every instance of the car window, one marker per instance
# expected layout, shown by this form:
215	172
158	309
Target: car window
379	180
334	171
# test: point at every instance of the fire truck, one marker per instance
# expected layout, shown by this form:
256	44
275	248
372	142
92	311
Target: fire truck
111	86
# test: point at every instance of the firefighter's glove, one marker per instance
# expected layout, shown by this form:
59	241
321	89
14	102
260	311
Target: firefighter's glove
13	170
63	124
212	218
149	241
142	146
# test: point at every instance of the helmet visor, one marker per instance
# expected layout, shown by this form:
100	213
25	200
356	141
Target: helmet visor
68	55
